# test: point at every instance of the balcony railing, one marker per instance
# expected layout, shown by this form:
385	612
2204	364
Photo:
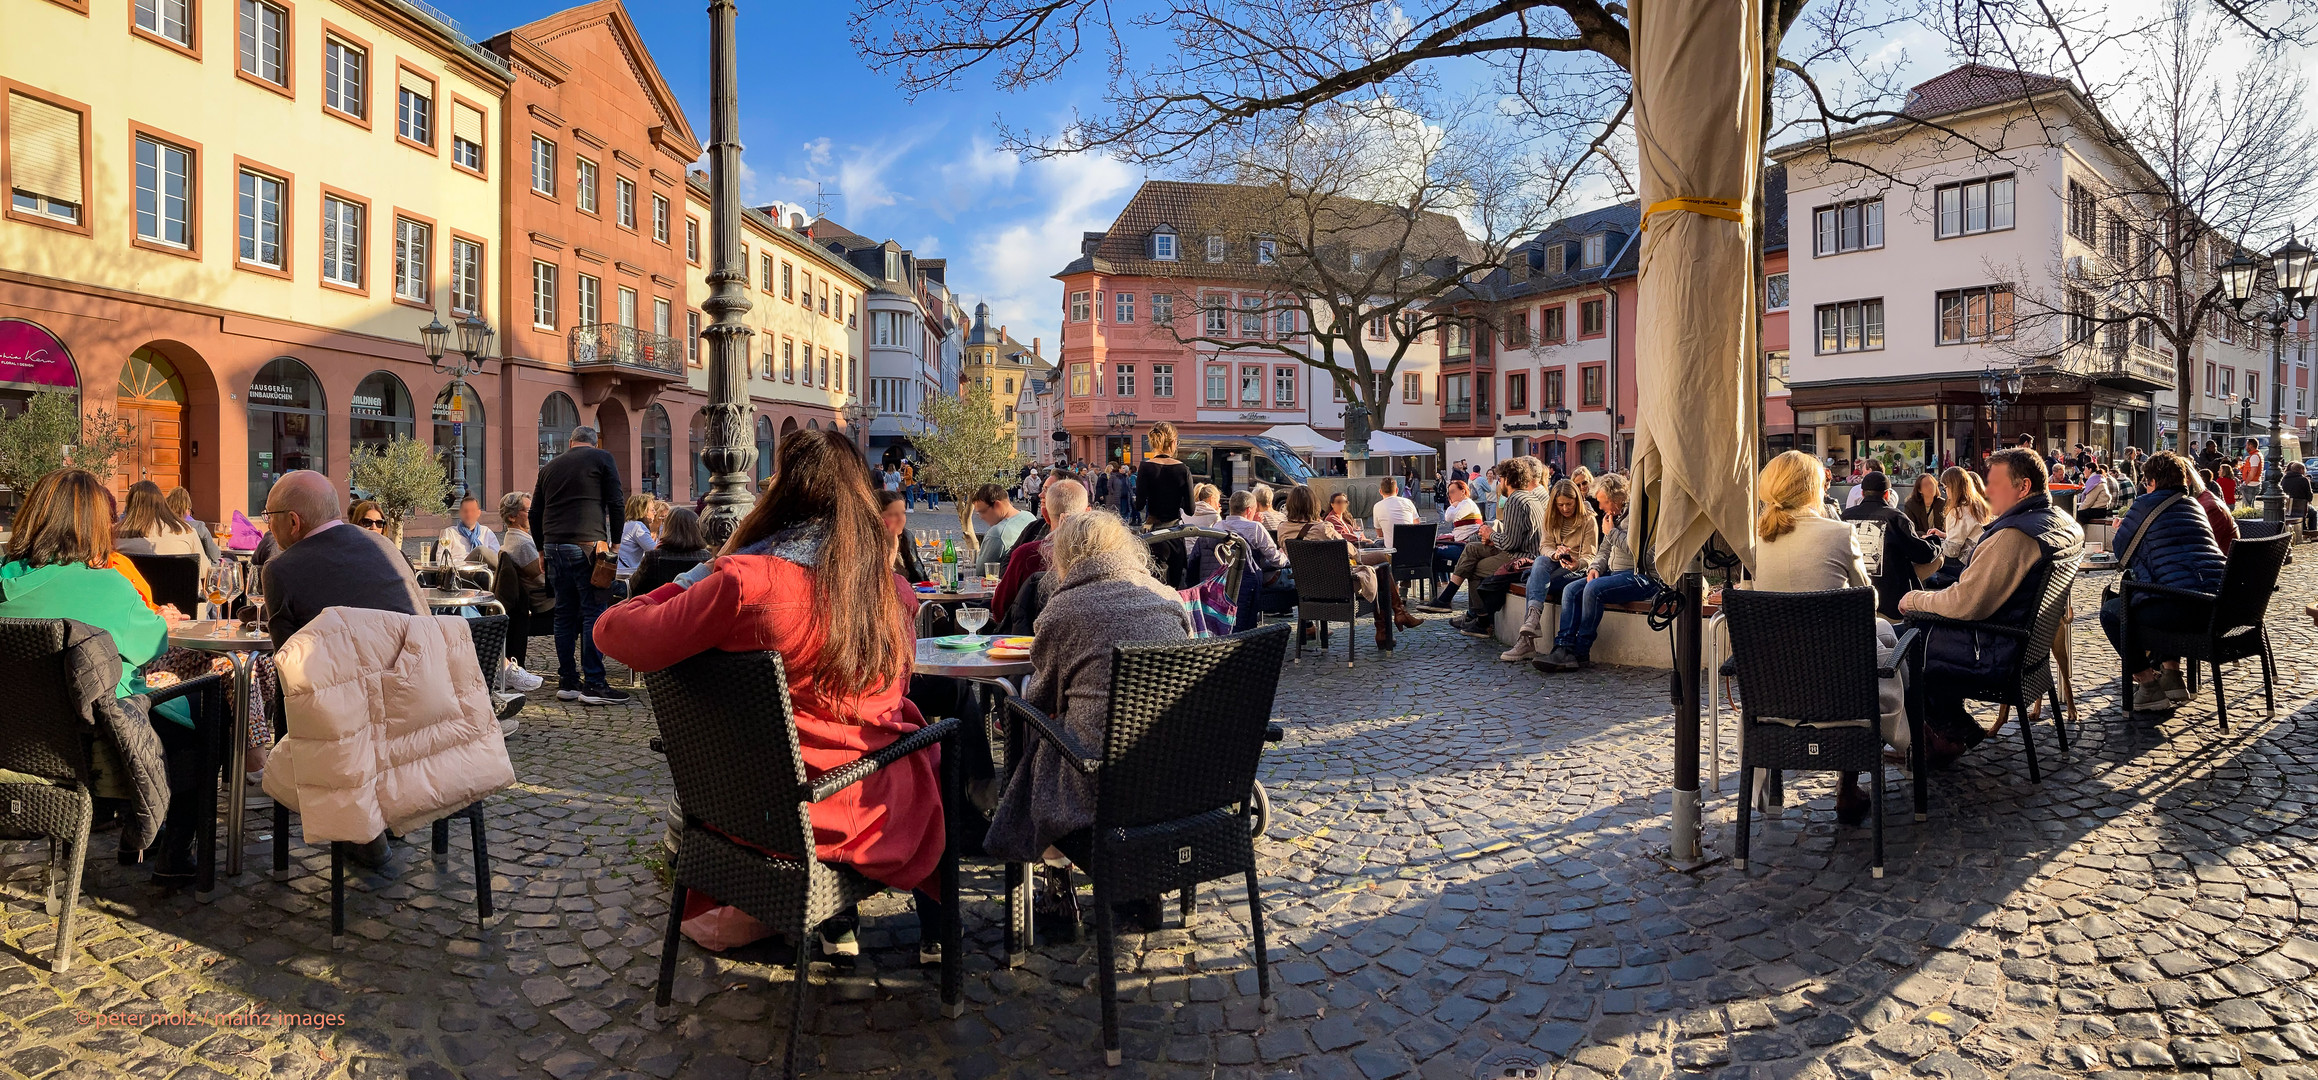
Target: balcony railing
595	345
1457	414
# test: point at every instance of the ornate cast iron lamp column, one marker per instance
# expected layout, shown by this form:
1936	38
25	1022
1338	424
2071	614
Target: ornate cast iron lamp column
731	453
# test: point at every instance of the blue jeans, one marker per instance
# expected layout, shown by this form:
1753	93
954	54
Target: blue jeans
1544	574
577	603
1582	603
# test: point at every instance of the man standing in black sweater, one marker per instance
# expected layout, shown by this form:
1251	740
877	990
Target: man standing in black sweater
578	502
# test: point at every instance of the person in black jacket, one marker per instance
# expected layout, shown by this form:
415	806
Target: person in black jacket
577	503
1903	550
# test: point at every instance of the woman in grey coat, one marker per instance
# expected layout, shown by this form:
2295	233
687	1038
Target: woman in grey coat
1103	595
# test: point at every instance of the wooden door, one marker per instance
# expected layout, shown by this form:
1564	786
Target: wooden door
151	399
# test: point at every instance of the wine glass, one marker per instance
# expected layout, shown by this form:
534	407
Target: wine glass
257	599
224	582
973	619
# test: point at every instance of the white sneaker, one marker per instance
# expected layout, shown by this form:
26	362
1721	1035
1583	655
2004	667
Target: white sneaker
2150	697
519	680
507	727
2176	689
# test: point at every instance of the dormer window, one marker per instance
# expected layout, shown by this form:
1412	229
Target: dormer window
1594	253
1163	244
892	265
1557	258
1265	249
1215	249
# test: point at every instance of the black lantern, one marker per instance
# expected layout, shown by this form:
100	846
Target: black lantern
474	337
434	335
2237	279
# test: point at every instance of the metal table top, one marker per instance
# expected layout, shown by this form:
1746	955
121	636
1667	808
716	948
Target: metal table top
967	594
210	635
459	598
932	659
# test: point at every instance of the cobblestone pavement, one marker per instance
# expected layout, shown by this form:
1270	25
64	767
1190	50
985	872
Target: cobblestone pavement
1461	880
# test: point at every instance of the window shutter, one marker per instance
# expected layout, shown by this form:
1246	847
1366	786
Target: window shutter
467	123
44	149
416	83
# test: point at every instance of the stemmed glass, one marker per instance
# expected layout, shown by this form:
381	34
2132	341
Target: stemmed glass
256	597
972	619
223	585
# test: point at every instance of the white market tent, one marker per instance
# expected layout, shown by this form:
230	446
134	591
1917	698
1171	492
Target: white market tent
1387	444
1303	440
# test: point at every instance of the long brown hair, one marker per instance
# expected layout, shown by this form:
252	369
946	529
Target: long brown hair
819	478
1302	504
67	517
148	514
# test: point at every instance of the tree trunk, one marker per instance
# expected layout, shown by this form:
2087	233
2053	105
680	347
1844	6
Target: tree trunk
2182	376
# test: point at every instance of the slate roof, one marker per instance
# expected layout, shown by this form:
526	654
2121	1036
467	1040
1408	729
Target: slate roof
1240	213
1972	86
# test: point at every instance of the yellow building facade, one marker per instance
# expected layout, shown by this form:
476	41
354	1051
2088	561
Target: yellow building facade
226	222
996	362
805	313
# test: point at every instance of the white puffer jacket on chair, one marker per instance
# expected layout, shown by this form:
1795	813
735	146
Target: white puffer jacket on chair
390	725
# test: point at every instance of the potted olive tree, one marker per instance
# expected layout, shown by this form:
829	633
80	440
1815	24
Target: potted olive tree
401	477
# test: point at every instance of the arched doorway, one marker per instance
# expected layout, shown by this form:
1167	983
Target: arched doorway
458	420
657	443
289	424
150	399
696	442
557	416
765	447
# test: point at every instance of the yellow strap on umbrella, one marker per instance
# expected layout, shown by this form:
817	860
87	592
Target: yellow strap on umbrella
1727	209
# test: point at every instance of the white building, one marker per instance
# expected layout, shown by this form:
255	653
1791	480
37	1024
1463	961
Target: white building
1920	259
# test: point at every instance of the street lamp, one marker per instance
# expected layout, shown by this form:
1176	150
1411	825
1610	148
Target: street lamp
2000	388
858	413
1122	423
474	345
2294	273
731	453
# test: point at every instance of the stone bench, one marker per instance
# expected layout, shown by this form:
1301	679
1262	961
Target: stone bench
1625	638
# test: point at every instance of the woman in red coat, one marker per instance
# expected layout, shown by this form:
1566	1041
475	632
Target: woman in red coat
806	575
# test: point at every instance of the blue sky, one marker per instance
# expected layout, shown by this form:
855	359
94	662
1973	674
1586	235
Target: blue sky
814	117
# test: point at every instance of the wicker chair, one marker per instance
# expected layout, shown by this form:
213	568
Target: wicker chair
1325	591
44	736
1412	555
726	727
2032	679
1174	781
176	579
1808	658
2234	629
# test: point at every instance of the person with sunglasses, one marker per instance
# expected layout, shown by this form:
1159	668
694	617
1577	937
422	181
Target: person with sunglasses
366	513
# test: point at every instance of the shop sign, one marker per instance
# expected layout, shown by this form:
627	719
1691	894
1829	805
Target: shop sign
360	405
1824	417
1902	413
274	392
31	356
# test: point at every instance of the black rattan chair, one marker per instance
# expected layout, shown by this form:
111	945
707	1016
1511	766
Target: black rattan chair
1807	658
1412	555
1325	591
490	635
659	569
731	742
2034	677
2233	631
44	736
175	579
1174	782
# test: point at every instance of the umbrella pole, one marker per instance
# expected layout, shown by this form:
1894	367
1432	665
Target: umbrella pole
1687	854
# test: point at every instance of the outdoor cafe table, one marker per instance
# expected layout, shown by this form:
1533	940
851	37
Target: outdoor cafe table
977	666
443	600
241	645
967	593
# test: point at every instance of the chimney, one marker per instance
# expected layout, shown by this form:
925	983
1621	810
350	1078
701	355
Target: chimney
1034	347
1001	331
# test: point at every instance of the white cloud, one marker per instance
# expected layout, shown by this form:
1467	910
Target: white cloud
1011	264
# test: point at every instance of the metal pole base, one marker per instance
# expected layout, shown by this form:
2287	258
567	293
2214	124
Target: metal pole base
1687	855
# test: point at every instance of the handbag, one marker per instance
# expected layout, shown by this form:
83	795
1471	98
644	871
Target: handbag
606	571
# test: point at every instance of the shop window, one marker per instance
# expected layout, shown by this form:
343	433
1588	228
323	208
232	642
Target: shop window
288	425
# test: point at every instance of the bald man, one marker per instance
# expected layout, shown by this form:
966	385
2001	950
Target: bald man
1059	500
325	562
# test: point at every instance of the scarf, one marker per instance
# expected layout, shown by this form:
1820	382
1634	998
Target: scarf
800	544
468	533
